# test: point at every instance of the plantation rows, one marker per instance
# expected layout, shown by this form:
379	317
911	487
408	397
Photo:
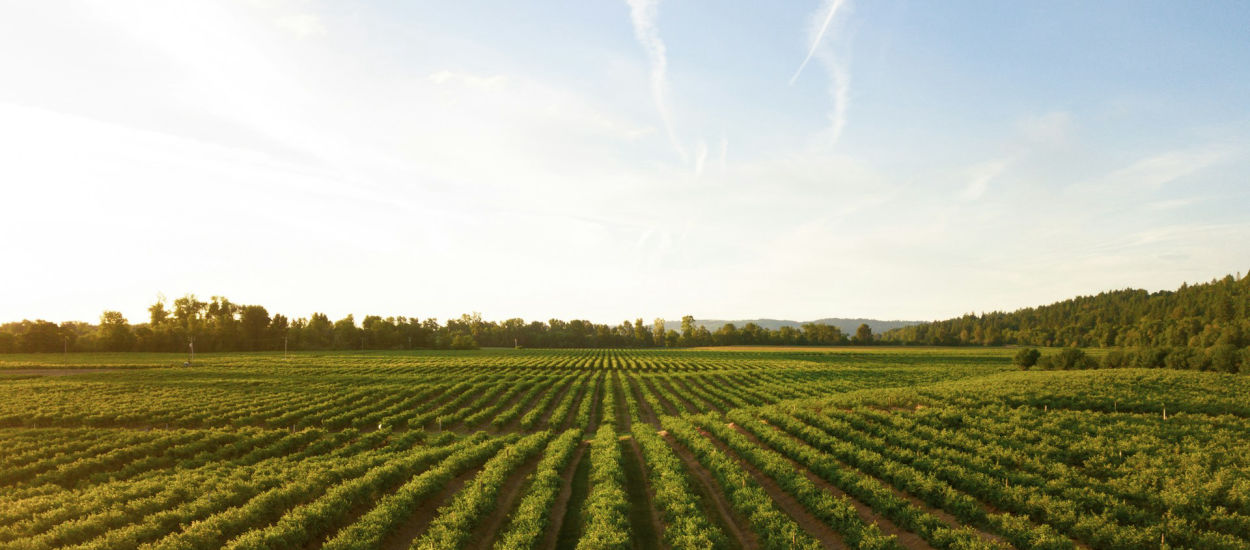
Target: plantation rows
884	452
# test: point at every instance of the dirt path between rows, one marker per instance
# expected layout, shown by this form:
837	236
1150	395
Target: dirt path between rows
497	407
713	499
484	535
425	513
645	524
644	406
672	390
596	405
623	420
514	425
946	517
908	539
555	403
818	529
566	530
669	408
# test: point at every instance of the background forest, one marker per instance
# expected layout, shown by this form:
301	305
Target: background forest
1207	320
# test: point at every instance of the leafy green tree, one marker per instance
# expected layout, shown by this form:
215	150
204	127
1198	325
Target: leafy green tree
1026	358
463	341
254	326
40	337
157	314
346	334
115	334
642	336
687	330
863	335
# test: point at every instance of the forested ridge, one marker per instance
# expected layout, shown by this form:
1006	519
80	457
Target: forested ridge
1196	316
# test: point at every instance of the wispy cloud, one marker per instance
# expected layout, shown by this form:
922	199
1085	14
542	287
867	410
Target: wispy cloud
1156	171
839	76
830	9
980	176
643	14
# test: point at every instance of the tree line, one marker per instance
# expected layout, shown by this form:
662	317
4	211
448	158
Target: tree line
1196	327
1198	316
219	325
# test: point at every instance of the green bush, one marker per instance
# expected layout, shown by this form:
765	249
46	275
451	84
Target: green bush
1026	357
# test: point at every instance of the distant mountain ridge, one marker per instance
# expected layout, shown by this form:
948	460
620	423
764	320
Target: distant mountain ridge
847	326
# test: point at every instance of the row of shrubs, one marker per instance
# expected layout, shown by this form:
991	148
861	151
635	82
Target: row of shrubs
1221	358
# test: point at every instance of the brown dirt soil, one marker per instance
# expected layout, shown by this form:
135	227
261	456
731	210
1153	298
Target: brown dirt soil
669	408
497	406
909	540
484	534
644	406
560	508
515	424
361	509
425	513
646	527
814	526
668	382
623	420
713	498
437	401
943	515
596	405
682	388
544	418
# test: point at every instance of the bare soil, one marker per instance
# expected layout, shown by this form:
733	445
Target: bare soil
484	535
644	406
560	507
515	424
669	408
813	525
623	420
713	499
943	515
645	524
909	540
565	533
596	404
551	407
425	513
679	393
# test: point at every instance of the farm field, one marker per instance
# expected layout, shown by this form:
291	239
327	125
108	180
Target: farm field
880	448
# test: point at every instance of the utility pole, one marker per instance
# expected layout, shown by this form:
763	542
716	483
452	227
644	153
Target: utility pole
284	337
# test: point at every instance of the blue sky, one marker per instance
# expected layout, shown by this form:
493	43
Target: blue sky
608	160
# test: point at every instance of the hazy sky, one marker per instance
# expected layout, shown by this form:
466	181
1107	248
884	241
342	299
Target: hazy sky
608	160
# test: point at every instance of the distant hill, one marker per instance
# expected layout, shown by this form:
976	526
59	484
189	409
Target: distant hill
847	326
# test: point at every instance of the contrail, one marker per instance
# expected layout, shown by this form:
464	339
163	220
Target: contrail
833	10
642	13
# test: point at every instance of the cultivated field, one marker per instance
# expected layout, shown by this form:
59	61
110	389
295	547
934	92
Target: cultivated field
792	448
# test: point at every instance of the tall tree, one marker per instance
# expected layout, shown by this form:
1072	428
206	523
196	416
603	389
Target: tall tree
115	332
863	335
254	326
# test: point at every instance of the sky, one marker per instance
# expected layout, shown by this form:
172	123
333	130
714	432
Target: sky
609	160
